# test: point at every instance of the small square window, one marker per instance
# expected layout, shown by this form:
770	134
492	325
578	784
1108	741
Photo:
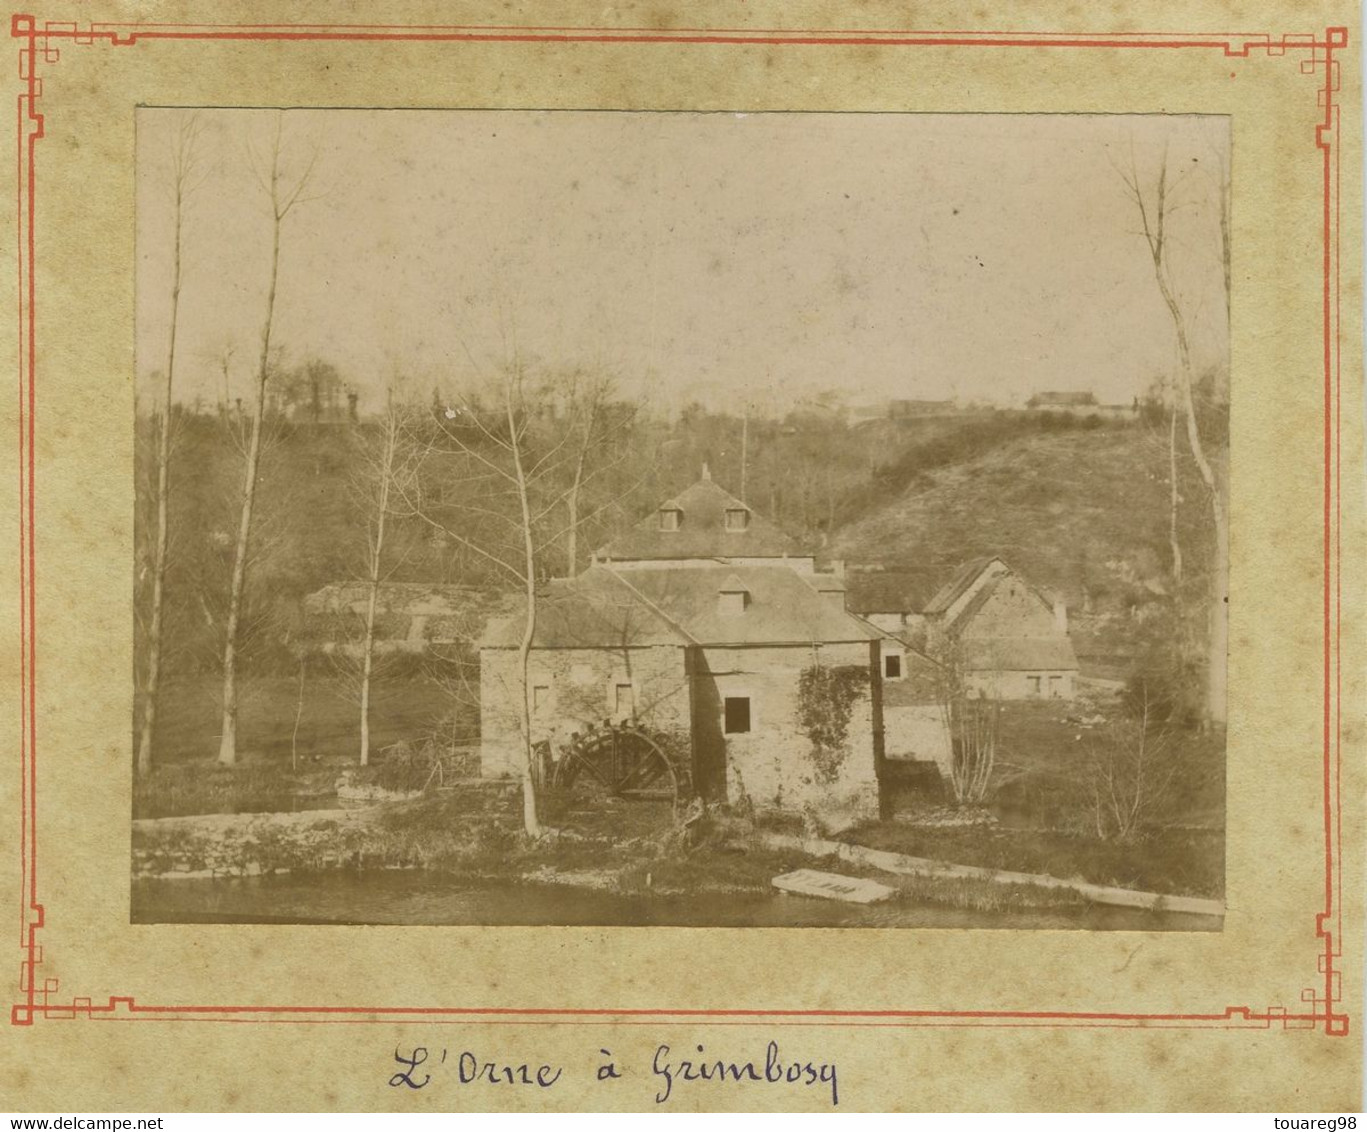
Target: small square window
669	519
737	518
892	666
736	715
1032	685
623	700
1055	687
541	696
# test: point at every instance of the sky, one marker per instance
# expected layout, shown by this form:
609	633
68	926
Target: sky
725	258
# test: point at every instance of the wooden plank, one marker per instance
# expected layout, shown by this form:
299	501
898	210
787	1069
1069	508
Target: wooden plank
832	886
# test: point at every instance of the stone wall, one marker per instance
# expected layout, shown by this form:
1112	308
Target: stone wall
572	688
772	764
918	731
1013	610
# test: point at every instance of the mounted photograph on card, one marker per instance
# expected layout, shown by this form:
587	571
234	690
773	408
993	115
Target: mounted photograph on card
695	519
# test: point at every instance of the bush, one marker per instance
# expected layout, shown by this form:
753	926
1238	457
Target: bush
1166	688
1129	779
404	767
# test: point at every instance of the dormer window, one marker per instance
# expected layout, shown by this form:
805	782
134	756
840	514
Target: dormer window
732	598
670	517
737	518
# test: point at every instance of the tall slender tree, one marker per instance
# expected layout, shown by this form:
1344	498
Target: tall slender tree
383	464
495	478
599	421
1154	203
184	179
282	194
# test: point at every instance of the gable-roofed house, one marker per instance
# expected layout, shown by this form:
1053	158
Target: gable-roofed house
701	619
1002	636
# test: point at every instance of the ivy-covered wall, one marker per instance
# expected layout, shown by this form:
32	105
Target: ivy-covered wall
773	764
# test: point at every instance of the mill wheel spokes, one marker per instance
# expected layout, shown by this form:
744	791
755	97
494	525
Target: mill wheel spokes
621	761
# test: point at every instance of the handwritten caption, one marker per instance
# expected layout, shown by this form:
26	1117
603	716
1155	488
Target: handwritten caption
669	1073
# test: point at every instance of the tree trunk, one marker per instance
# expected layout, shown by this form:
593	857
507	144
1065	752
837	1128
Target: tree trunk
1218	636
744	450
572	505
298	715
531	822
1172	486
376	553
572	497
1215	706
153	685
227	749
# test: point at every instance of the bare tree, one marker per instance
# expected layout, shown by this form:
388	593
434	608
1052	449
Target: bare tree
282	198
1174	493
589	406
493	479
1155	206
1129	777
973	722
184	180
598	421
382	463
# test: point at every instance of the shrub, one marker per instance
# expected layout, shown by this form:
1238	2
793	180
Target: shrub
405	767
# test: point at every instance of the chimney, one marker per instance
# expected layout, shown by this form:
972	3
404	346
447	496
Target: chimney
1060	617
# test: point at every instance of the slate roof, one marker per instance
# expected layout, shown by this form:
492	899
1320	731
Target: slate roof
702	531
953	589
603	608
784	606
593	610
889	591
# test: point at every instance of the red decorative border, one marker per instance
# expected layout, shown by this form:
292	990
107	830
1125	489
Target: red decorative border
41	45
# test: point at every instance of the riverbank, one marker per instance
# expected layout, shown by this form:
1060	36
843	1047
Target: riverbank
465	843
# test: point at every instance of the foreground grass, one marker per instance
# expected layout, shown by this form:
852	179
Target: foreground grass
189	719
1041	810
1176	862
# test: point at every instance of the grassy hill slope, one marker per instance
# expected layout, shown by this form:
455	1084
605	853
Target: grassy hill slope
1082	514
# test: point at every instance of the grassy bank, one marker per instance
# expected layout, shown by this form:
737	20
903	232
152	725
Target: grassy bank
1039	814
276	728
1036	819
472	833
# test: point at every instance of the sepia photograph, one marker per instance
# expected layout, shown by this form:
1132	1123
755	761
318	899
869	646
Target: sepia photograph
722	519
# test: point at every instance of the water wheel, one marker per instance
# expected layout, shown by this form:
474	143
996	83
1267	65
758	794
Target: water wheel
622	761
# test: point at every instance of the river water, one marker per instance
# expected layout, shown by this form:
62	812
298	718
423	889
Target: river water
416	897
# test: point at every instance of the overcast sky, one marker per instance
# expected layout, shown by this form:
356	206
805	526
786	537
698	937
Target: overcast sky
721	257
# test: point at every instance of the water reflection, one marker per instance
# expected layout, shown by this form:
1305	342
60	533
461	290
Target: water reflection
415	897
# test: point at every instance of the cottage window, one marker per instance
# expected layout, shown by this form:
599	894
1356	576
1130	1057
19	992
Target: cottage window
623	700
736	715
541	696
1055	687
669	518
892	667
737	518
1032	685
